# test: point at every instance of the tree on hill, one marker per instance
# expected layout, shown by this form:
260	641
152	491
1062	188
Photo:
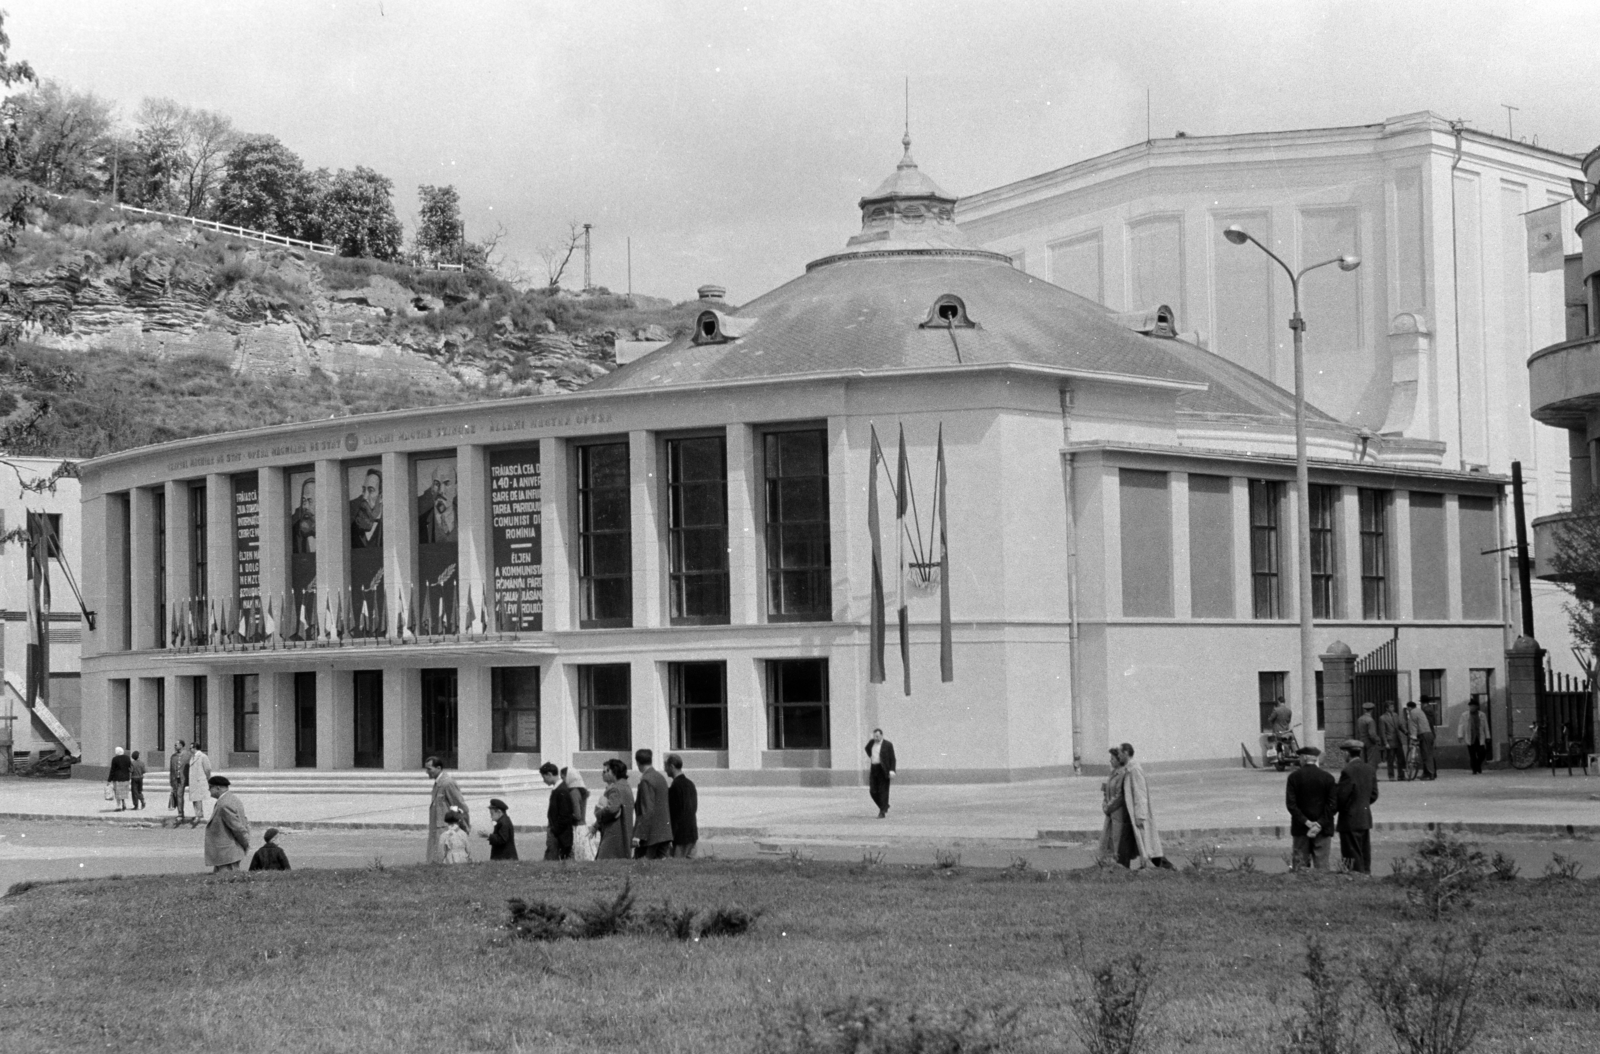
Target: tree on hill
356	213
265	187
439	229
61	137
194	145
11	72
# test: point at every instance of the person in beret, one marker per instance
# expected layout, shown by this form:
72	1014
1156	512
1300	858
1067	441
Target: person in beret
1309	795
503	836
228	831
1367	732
270	857
1353	799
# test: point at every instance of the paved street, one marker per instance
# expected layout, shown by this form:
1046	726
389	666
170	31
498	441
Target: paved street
54	829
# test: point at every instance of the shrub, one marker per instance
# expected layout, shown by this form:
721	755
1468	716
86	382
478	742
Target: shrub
537	920
1245	864
728	922
946	859
1425	991
876	1026
1442	873
1505	869
1563	868
673	922
1330	1022
1113	1008
605	918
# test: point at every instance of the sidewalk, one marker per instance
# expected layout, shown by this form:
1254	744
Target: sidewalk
1204	803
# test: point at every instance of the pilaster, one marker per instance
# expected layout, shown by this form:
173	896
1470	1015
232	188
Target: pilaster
147	631
219	690
143	733
178	530
1178	503
473	702
745	587
649	705
1349	528
558	713
277	721
747	713
1453	555
1400	578
333	560
474	558
402	718
841	498
399	545
221	583
649	577
1244	601
272	523
556	526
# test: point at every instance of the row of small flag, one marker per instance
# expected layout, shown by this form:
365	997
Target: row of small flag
228	622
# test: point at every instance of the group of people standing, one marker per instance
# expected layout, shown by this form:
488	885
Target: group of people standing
658	819
1391	733
1319	806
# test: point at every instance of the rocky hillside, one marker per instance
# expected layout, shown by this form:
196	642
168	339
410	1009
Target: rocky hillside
91	289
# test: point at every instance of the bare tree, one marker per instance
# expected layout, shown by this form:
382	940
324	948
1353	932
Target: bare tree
200	141
557	256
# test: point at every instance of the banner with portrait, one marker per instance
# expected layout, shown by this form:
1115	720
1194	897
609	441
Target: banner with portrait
361	611
438	580
300	613
514	500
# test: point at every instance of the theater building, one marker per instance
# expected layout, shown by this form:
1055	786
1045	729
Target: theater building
681	555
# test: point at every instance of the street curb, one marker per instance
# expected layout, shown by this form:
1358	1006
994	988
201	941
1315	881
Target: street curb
332	825
1280	831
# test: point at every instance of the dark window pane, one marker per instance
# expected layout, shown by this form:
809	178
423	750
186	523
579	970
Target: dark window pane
612	730
805	728
797	529
608	510
802	453
610	599
802	499
609	554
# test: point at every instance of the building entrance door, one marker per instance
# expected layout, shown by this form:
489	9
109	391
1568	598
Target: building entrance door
369	719
305	720
439	716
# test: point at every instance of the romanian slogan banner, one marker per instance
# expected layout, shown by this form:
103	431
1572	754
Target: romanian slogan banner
515	484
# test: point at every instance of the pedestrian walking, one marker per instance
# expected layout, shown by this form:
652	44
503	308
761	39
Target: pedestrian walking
117	779
446	799
1393	735
178	776
228	832
613	813
1473	730
503	838
1367	732
198	781
652	822
1420	730
683	805
1141	811
1309	795
270	857
136	771
1353	800
1116	836
560	816
880	758
453	845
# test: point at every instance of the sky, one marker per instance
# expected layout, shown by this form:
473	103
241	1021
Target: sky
730	142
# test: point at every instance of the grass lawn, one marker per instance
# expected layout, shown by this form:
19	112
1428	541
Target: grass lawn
414	958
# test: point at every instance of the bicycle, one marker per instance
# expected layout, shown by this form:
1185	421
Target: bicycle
1525	750
1414	769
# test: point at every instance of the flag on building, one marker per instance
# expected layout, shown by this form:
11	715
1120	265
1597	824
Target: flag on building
875	641
947	669
1545	252
902	493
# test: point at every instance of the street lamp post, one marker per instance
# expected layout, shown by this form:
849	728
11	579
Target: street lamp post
1297	324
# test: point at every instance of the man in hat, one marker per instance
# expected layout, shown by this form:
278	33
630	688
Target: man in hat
445	800
1367	732
1353	798
1394	740
1309	795
228	831
1472	729
503	838
270	857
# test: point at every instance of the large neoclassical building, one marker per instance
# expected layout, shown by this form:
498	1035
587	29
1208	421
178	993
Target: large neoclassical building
681	555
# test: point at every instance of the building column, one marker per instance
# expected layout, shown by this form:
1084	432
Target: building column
1350	605
1244	594
272	537
105	574
474	558
648	705
1400	548
1338	692
841	497
1453	556
1111	538
402	718
747	713
556	526
744	541
474	700
649	577
1178	499
146	631
219	691
1579	462
333	557
276	721
179	530
336	717
221	581
142	733
1522	680
558	713
179	694
1289	563
399	544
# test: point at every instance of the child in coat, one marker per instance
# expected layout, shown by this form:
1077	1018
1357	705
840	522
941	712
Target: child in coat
454	840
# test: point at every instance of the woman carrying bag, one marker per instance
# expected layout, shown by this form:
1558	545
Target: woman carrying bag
613	814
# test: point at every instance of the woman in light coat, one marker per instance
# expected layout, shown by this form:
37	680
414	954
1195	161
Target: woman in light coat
613	814
1141	813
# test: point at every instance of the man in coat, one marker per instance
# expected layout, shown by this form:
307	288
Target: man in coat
1141	812
1394	740
880	756
503	838
652	818
228	832
560	816
683	805
198	780
1473	730
446	798
1353	798
1420	729
1367	732
1309	795
178	774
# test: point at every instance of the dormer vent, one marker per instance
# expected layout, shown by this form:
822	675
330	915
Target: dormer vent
1156	321
948	312
714	327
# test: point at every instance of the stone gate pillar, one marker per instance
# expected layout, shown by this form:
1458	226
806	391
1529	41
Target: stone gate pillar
1522	680
1338	696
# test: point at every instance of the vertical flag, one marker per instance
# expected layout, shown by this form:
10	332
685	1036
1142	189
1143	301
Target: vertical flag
38	652
947	670
472	616
271	625
875	643
1544	238
901	492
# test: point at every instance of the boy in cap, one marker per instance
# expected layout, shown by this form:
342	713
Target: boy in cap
228	831
270	857
503	839
1309	795
1353	798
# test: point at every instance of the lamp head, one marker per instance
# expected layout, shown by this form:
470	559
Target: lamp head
1349	263
1236	235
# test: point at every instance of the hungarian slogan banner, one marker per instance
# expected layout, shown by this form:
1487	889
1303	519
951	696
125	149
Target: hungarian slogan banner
514	502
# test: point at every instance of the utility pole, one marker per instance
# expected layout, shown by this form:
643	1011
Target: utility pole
587	284
630	265
1510	132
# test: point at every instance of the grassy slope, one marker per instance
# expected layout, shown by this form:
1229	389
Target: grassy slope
407	958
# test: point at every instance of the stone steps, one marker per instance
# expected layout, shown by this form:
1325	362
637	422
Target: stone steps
489	783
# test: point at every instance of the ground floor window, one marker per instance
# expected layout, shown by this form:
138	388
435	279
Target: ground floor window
605	719
439	715
1431	695
699	699
1322	713
514	706
246	712
202	712
1269	693
797	704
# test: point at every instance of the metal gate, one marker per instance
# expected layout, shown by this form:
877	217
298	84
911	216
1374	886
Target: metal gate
1566	714
1378	679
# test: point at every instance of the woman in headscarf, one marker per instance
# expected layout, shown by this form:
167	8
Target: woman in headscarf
119	777
613	813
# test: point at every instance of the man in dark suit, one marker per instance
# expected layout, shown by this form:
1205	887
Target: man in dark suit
1309	795
880	753
1353	798
652	818
683	806
559	816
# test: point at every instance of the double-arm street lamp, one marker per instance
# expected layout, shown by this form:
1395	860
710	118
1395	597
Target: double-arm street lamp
1308	651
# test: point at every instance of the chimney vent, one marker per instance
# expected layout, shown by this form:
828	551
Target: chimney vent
711	292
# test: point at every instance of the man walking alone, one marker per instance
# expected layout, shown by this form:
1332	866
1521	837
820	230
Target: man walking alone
1473	730
880	755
